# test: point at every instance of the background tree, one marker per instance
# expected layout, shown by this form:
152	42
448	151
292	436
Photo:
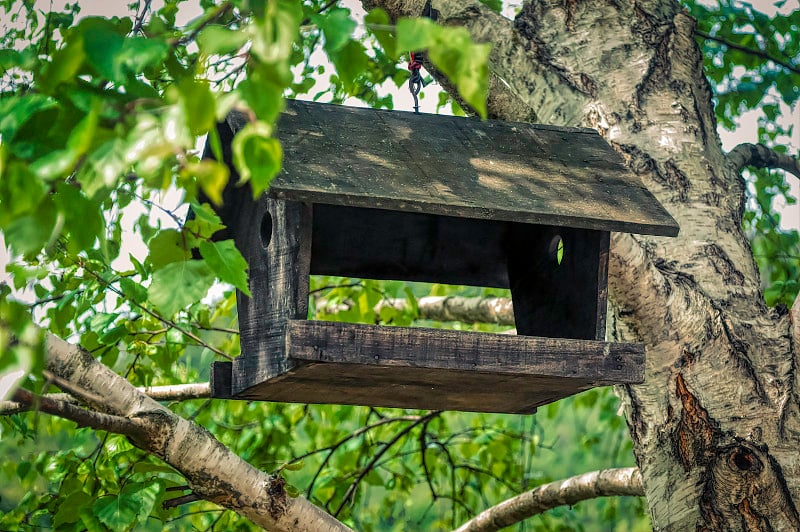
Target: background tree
100	116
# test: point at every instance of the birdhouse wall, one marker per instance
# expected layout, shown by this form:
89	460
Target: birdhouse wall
275	238
557	275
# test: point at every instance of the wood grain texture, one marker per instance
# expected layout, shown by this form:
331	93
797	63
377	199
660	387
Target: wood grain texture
440	369
459	167
403	387
593	361
278	281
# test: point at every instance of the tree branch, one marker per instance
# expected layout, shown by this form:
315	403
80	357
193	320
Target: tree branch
454	308
84	418
174	392
609	482
794	319
753	51
177	501
211	469
760	156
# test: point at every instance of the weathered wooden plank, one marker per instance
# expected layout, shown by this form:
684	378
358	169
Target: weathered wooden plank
275	238
220	384
602	286
409	387
378	346
460	167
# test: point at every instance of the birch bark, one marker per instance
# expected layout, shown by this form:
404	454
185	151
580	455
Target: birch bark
715	426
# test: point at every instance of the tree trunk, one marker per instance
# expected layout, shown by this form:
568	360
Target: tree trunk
715	425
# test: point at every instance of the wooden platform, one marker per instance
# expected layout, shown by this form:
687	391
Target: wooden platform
437	369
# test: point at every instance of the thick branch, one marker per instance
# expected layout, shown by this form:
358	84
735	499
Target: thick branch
760	156
606	483
213	472
465	309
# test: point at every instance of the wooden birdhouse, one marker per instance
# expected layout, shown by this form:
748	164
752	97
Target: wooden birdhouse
394	195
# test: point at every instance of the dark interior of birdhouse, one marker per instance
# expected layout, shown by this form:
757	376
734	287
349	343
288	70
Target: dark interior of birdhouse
554	275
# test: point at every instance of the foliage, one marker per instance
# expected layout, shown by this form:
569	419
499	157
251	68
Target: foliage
99	126
752	62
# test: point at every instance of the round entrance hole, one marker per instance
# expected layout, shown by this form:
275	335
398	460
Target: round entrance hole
556	249
266	230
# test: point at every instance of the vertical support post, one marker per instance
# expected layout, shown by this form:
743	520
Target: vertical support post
602	284
275	239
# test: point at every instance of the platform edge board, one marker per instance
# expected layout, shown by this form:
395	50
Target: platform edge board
350	343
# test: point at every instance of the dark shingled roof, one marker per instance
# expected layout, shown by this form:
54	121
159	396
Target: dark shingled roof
460	167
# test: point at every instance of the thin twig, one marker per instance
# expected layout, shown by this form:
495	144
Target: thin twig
753	51
160	318
354	486
331	449
217	13
177	501
140	16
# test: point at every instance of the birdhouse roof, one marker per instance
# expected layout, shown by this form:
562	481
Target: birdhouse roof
461	167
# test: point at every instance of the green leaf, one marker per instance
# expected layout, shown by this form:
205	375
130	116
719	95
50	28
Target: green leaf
70	507
65	65
198	103
27	235
376	20
23	468
118	512
146	494
10	59
20	192
294	466
102	43
212	177
168	246
273	35
226	262
417	34
103	167
336	25
351	62
205	222
494	5
257	156
133	290
466	64
83	219
15	111
179	284
113	55
263	92
219	40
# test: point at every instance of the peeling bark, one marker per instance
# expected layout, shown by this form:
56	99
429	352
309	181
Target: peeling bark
570	491
716	426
